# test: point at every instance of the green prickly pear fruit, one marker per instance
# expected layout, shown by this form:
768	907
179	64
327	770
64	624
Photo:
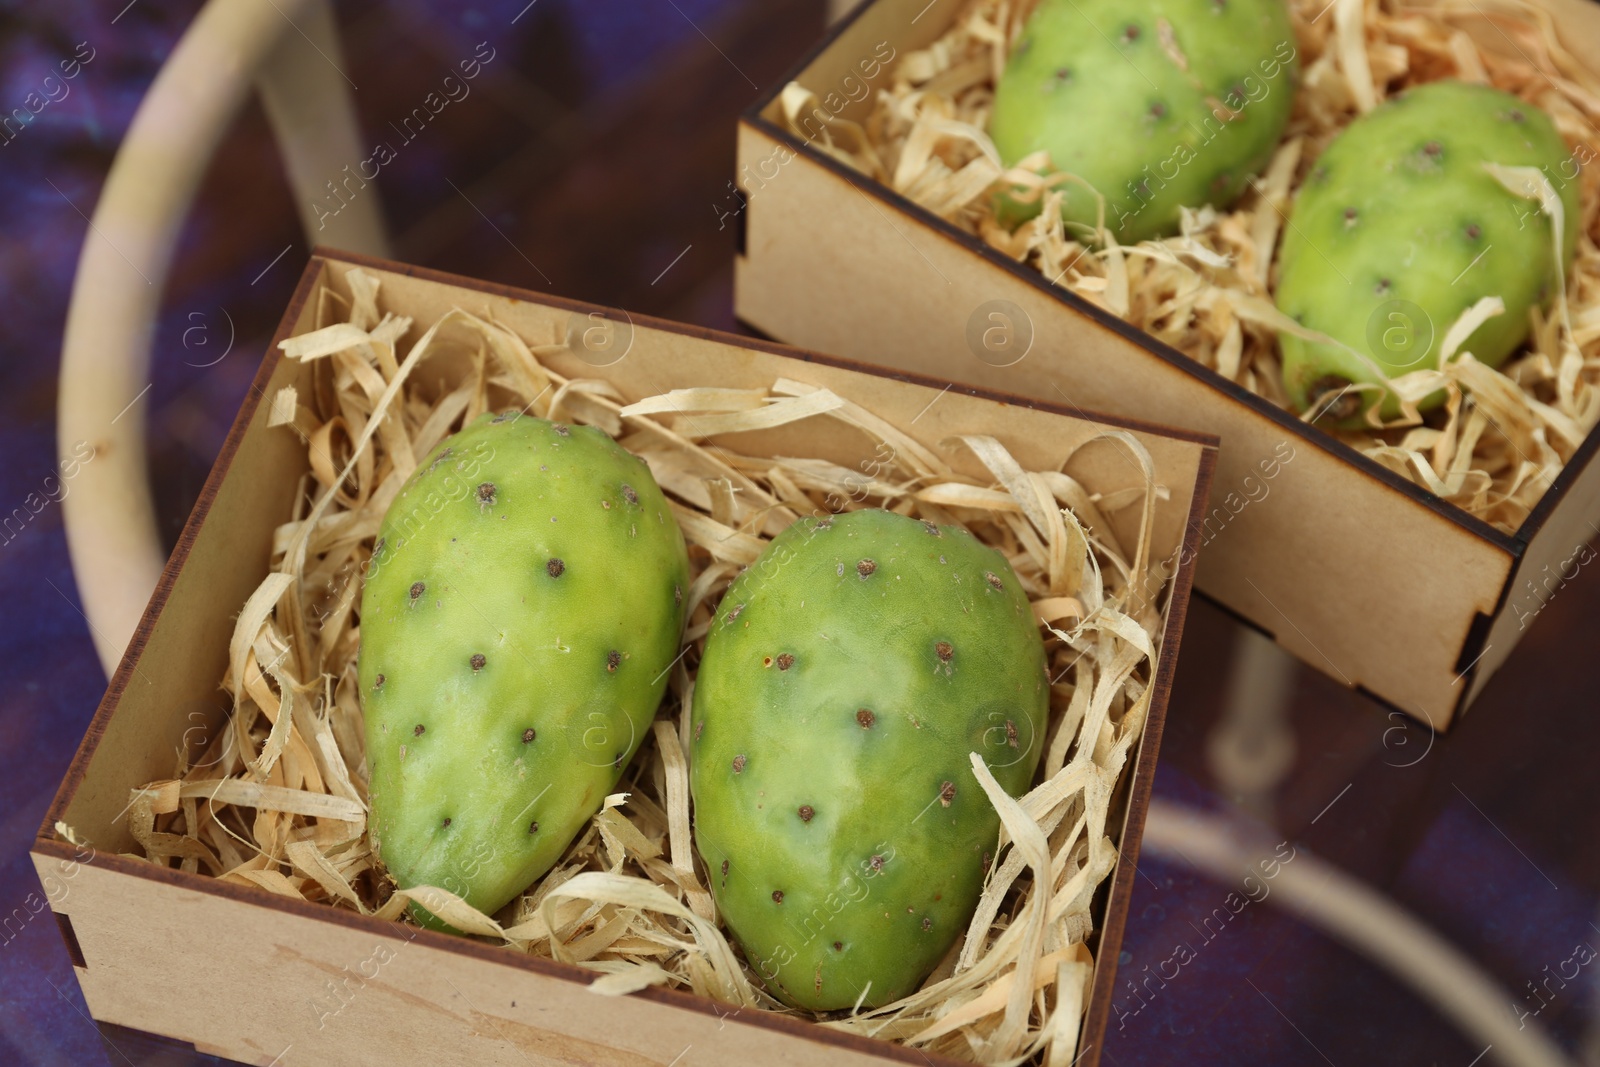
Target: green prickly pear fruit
523	605
1399	228
1157	104
849	674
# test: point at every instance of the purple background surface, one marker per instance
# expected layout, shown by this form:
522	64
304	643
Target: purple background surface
600	142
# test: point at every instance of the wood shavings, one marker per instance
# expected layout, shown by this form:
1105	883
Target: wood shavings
1207	292
278	802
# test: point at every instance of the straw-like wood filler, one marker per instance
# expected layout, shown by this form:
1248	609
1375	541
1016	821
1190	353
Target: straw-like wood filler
277	800
1502	436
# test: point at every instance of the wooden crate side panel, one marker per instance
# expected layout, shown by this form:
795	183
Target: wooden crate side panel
170	696
1558	554
660	360
831	268
1119	889
149	974
261	985
1552	553
838	72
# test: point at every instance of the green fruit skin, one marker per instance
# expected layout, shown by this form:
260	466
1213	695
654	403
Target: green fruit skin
480	562
1399	207
938	644
1090	81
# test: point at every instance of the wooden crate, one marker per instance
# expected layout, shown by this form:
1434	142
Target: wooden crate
1355	570
242	973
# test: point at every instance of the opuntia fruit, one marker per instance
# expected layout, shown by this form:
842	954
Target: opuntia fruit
1157	104
1399	228
521	611
848	676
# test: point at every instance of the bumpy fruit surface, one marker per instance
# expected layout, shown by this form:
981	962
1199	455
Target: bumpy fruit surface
1399	229
1158	104
523	605
848	676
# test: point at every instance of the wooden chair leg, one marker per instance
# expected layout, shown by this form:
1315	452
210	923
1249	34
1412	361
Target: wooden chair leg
105	359
308	99
1364	919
